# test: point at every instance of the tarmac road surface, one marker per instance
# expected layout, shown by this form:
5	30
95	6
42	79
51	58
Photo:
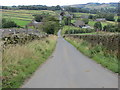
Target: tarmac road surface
68	68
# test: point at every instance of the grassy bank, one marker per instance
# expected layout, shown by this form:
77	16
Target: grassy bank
19	62
97	53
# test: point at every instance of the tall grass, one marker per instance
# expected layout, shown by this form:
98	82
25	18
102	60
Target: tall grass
19	62
97	53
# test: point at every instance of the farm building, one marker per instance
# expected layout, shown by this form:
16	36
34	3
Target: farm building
89	27
101	19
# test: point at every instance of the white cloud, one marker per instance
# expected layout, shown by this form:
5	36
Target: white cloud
50	2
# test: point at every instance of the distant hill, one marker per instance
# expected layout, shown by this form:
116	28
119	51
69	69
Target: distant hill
95	5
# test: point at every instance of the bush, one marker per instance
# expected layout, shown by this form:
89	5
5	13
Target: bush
40	17
67	20
86	21
75	30
111	28
79	31
91	17
8	23
51	25
110	17
98	26
118	20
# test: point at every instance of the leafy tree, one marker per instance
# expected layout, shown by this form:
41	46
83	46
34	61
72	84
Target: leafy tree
101	15
75	9
58	7
8	23
110	17
118	20
74	16
105	28
67	20
71	9
38	18
86	20
3	20
62	13
50	25
98	26
91	17
111	28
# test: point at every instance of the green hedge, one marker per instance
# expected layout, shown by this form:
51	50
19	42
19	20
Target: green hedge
111	42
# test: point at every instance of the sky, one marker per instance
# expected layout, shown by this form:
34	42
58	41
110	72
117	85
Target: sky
50	2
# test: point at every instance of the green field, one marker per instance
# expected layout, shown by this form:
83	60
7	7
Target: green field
78	15
23	17
91	23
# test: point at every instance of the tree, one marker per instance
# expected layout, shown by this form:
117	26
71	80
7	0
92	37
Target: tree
58	7
74	16
105	28
98	26
118	20
38	18
71	9
101	15
67	20
110	17
111	28
50	25
8	23
62	13
91	17
86	20
3	20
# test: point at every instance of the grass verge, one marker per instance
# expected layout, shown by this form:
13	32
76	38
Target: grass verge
19	62
97	53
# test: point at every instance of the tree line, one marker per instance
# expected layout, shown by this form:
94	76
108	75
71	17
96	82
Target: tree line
67	8
92	11
32	7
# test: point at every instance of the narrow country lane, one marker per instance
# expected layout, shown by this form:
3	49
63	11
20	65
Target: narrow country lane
68	68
